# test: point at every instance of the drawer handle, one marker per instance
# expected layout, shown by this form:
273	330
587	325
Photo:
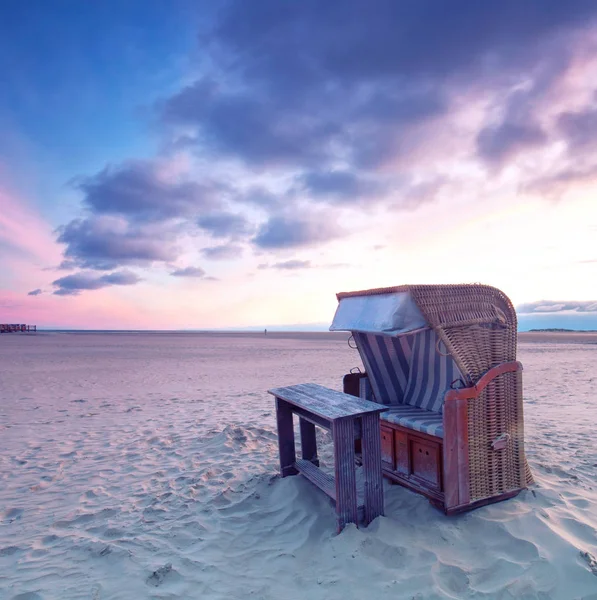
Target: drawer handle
500	442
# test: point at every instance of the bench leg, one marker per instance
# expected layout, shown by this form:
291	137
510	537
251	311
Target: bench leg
346	489
285	438
372	474
308	441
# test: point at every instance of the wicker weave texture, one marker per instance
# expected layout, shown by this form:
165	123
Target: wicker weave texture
496	411
477	324
479	327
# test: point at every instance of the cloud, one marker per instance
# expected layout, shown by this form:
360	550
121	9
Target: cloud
260	196
578	163
143	191
296	128
120	278
293	232
555	184
72	285
497	143
341	185
188	272
36	292
245	125
288	265
545	306
67	265
106	242
358	96
579	128
225	224
138	213
222	252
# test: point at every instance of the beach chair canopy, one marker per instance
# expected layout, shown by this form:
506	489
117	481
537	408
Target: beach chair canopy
416	342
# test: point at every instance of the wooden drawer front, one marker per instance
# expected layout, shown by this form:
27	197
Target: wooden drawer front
426	462
387	447
402	463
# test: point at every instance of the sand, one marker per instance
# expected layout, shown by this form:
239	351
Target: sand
144	466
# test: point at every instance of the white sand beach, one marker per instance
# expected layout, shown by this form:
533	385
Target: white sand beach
145	466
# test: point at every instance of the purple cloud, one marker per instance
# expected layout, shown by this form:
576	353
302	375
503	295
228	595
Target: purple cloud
222	252
225	224
287	265
72	285
137	190
104	243
579	128
272	99
188	272
497	143
294	232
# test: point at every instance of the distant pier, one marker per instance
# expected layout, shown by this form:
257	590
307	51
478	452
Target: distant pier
17	328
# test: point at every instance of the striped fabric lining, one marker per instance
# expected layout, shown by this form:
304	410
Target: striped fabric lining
415	418
365	391
387	362
407	369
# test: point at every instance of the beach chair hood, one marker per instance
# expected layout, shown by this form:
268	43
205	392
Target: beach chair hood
475	323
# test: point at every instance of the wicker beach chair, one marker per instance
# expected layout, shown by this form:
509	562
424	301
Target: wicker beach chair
443	360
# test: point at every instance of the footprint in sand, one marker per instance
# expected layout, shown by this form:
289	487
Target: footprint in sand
159	575
590	560
388	556
12	514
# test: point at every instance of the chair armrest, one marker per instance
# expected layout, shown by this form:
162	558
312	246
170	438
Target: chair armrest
474	390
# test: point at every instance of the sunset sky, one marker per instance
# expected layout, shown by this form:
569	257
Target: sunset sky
180	164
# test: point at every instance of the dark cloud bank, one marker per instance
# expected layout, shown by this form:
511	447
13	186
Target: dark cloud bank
335	98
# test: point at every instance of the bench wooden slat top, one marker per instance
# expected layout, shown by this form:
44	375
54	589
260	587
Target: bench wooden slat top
326	403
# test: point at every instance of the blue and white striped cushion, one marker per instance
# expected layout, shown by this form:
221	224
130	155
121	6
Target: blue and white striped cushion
415	418
407	369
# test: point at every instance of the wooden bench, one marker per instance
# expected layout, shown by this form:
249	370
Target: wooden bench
348	418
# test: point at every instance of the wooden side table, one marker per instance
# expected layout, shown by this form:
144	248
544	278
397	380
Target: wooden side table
348	418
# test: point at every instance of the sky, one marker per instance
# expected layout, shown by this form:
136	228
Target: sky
171	164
